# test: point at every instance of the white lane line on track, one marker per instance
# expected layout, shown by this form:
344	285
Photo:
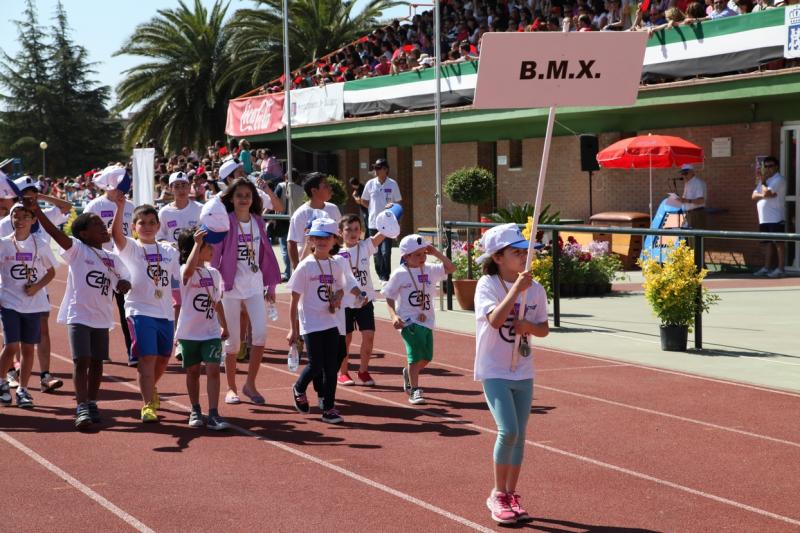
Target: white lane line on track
586	367
578	457
321	462
89	493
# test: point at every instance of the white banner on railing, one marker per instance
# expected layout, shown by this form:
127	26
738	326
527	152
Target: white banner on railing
317	104
791	47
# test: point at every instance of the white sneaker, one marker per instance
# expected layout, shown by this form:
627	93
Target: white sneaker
761	273
777	273
12	378
416	397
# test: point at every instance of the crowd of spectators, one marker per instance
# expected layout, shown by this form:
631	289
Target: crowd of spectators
405	46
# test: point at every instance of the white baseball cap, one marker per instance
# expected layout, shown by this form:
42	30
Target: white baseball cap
498	237
113	177
323	227
411	243
687	166
178	176
25	182
228	168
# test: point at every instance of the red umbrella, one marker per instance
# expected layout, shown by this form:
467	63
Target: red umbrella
650	151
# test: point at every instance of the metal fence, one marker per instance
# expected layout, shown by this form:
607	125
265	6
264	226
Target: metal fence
698	240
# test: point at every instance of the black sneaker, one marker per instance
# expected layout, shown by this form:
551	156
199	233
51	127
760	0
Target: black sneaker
24	399
82	417
216	423
94	412
331	416
5	394
300	401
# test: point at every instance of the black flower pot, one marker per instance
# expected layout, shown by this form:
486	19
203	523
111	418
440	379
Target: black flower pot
673	338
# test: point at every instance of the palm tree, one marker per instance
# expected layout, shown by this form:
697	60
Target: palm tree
316	27
177	94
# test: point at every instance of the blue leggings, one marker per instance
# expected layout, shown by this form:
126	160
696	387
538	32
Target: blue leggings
510	404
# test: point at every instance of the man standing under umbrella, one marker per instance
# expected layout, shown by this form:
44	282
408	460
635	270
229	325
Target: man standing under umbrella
693	198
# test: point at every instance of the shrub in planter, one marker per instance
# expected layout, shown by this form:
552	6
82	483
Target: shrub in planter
469	186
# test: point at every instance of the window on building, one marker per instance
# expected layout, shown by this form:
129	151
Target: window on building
515	153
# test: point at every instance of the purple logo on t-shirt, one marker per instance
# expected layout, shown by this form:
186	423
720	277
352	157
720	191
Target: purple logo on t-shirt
172	224
422	278
24	256
345	254
206	282
108	262
107	214
387	190
155	258
326	278
245	238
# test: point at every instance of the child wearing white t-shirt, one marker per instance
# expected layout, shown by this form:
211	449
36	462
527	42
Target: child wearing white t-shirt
26	267
358	254
93	278
503	366
201	325
409	295
148	306
318	286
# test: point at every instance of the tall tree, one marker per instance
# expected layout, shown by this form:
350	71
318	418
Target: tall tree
316	27
83	131
177	96
26	96
49	96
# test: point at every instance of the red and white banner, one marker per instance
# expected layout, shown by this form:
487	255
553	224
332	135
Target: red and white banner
255	116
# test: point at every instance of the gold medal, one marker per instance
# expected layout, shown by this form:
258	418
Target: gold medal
254	268
524	347
158	293
422	317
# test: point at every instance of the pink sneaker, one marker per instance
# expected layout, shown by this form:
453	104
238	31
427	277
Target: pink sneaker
345	379
500	506
516	506
366	379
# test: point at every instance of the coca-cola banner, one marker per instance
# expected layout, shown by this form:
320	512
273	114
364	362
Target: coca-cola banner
255	116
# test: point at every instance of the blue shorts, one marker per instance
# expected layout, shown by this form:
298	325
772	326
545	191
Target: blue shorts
150	336
21	327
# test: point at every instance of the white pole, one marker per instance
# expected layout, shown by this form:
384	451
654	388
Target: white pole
437	131
548	136
651	188
287	85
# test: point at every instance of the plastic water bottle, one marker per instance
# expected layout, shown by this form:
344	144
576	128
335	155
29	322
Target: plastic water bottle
293	361
272	311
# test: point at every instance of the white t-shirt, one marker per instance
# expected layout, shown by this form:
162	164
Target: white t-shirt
313	311
26	262
359	258
174	220
53	213
299	221
414	296
93	276
247	283
266	201
151	267
771	210
694	188
378	195
198	319
105	209
493	347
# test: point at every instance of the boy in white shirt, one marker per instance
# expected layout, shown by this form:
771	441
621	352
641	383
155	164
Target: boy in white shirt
409	295
182	213
94	275
319	192
26	267
148	306
380	193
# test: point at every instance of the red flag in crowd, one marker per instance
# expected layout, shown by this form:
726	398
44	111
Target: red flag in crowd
644	6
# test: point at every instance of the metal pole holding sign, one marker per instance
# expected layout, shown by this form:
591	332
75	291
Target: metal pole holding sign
287	88
537	206
437	129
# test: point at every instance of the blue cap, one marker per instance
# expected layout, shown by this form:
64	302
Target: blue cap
212	237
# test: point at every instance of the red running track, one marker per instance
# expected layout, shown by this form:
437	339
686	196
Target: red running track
611	447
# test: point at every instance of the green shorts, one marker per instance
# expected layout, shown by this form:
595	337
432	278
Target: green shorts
194	352
419	343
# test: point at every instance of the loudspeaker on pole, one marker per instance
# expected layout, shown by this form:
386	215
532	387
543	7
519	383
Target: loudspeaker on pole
589	148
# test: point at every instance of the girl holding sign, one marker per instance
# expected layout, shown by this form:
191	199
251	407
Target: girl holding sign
508	389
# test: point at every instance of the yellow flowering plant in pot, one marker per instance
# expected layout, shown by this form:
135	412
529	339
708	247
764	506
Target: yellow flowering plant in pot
674	289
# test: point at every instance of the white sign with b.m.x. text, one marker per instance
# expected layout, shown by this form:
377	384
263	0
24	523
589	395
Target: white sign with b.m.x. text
536	69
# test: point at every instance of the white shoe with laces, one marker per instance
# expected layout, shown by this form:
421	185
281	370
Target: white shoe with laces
416	397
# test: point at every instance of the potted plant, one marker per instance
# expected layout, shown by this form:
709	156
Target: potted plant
463	253
675	291
468	186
